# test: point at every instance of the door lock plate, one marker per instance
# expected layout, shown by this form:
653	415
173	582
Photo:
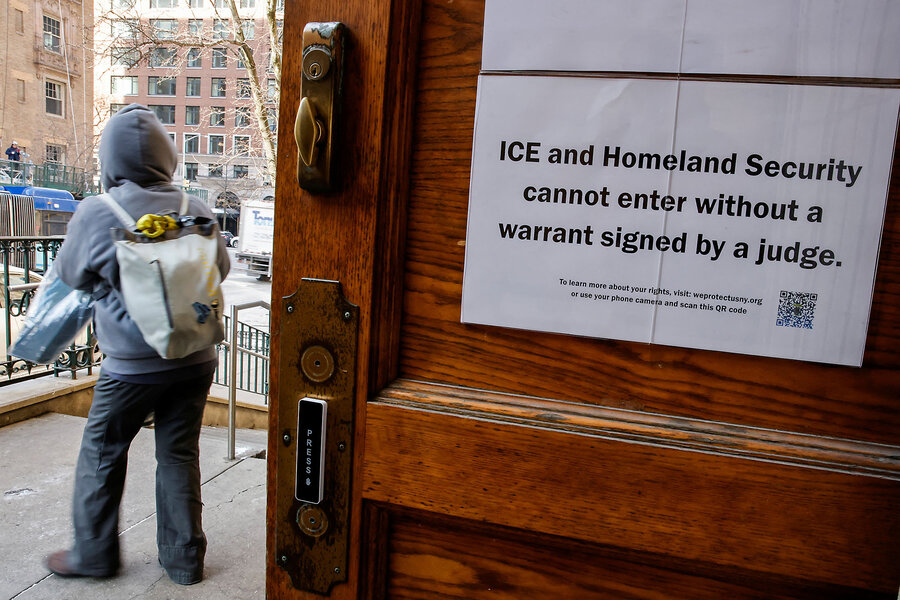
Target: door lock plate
321	86
315	411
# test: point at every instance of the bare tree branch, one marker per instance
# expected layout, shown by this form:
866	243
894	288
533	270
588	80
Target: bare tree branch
136	39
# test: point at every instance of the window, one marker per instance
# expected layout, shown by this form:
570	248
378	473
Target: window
218	87
51	34
191	115
279	5
195	26
272	115
191	169
196	3
124	28
20	21
216	144
191	143
279	29
248	28
172	136
221	3
242	144
220	29
219	58
123	3
217	116
160	86
20	90
193	58
241	171
123	85
54	98
243	88
242	116
271	90
54	153
163	57
114	108
215	171
192	86
164	29
164	112
124	57
248	3
163	3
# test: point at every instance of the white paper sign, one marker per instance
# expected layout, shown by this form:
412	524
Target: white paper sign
820	38
739	217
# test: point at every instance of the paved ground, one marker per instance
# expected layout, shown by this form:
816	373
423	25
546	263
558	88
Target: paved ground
38	462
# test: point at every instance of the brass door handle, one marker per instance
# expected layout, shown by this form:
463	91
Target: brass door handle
319	109
308	133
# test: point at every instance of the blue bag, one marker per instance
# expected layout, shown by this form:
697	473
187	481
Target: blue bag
55	317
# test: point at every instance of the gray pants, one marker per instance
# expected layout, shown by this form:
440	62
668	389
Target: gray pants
116	415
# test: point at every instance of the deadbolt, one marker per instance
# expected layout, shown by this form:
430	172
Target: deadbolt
317	363
316	62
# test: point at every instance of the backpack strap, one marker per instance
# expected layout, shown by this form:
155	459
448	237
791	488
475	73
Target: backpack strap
120	212
185	204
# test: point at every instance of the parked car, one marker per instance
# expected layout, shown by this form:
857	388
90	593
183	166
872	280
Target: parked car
228	237
234	242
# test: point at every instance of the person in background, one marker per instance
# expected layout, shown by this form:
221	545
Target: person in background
12	153
137	162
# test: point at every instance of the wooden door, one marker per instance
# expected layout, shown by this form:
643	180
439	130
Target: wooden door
497	463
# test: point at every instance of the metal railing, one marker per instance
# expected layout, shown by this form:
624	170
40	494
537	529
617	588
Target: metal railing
16	173
49	175
25	261
252	367
236	344
198	192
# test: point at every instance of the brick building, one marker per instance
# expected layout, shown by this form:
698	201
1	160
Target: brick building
47	81
181	59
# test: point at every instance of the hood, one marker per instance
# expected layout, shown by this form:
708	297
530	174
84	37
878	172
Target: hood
135	147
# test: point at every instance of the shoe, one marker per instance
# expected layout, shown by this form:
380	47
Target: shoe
60	564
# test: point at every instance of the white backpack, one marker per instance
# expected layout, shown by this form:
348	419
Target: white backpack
171	283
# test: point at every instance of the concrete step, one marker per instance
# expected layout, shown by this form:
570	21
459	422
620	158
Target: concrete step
38	465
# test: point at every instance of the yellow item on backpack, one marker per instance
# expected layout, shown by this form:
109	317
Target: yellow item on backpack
154	226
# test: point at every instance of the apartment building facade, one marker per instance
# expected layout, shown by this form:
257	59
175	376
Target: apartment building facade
47	83
181	59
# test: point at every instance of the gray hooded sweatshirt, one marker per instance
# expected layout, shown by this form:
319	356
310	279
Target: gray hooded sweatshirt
137	160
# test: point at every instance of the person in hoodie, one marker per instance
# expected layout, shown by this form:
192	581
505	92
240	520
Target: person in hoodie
137	160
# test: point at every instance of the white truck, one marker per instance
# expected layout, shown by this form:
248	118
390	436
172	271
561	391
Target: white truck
256	230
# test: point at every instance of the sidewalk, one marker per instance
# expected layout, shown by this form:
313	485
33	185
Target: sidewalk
38	462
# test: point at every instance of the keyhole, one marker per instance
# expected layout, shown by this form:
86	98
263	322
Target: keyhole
315	70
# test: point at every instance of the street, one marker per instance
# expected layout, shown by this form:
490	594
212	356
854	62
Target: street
240	288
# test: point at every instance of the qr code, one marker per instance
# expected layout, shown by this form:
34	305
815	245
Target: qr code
796	309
